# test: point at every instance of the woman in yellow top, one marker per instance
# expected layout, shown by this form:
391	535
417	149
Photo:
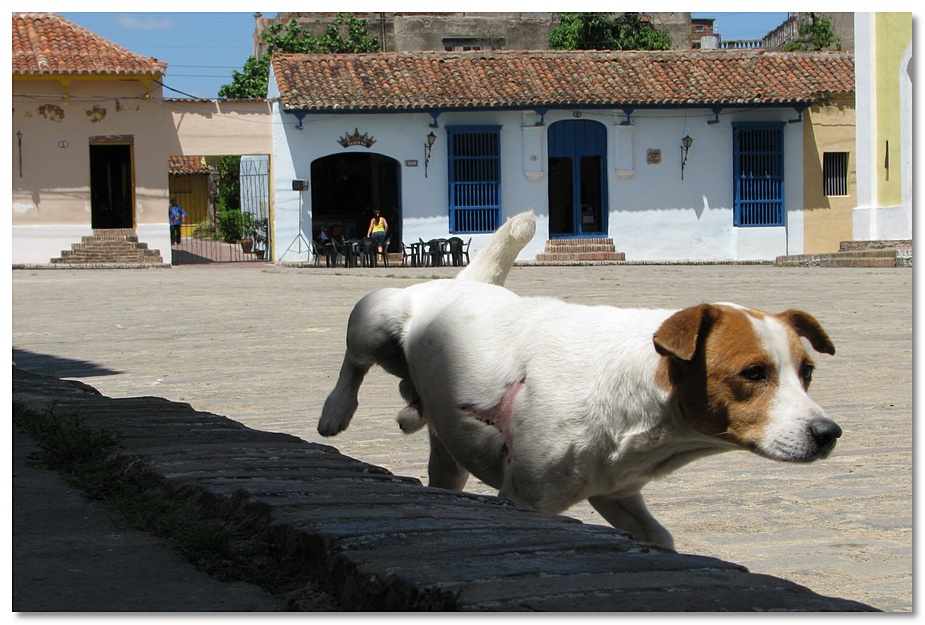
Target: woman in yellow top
378	227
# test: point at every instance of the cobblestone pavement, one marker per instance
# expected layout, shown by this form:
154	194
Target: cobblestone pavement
262	344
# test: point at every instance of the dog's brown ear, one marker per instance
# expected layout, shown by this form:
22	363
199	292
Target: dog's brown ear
678	335
805	325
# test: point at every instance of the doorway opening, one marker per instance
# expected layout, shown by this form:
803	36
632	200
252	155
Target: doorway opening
112	190
577	190
347	189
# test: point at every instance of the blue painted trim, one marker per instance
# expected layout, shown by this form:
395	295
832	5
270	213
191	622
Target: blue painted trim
738	201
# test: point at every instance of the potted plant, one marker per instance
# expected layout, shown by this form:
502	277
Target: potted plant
247	232
260	235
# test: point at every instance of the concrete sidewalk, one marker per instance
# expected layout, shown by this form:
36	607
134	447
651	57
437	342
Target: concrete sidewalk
68	556
262	345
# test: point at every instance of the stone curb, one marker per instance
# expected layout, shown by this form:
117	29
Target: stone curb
93	266
384	542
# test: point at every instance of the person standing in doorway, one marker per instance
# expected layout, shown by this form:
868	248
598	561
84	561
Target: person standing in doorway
176	214
378	227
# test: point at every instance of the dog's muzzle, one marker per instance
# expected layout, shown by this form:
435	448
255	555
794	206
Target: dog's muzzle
825	434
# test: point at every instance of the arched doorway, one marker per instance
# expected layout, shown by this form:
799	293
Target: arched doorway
347	188
577	180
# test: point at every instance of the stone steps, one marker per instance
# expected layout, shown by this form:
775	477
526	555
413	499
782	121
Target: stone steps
110	247
579	251
869	254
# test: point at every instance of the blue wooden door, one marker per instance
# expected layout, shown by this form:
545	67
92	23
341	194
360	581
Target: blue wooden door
577	179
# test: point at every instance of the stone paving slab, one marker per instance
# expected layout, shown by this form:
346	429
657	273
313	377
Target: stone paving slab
383	542
262	344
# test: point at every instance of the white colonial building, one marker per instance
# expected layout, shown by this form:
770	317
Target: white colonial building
672	155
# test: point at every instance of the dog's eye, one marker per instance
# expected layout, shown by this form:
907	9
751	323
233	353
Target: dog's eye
806	372
755	373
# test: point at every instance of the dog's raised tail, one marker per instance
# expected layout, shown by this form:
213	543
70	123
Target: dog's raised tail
494	261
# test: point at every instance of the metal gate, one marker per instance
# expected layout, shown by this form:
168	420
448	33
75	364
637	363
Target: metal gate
255	200
202	245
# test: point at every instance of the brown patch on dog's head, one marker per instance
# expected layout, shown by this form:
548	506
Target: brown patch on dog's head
728	365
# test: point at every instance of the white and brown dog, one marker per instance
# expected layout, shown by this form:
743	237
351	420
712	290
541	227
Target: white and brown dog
553	403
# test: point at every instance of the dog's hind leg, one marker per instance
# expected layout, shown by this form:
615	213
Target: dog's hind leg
630	514
371	339
442	469
410	418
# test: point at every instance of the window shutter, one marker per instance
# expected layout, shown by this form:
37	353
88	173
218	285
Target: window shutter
474	178
758	163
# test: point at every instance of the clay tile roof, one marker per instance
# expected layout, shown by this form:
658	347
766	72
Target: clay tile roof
186	165
420	81
48	44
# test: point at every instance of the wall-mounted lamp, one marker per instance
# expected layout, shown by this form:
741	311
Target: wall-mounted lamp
427	148
686	143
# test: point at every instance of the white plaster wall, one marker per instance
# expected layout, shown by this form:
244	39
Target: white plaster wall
864	217
157	236
37	245
654	214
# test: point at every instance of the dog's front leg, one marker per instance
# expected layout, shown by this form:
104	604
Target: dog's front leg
342	403
630	514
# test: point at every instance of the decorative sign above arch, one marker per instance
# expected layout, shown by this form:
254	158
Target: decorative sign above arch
356	139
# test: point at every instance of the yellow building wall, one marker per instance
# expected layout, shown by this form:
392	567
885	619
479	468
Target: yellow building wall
828	219
893	34
192	193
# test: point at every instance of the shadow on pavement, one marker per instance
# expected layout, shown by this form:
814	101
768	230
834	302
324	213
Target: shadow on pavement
47	364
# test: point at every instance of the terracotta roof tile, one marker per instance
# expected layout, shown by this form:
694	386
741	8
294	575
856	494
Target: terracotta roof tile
186	165
48	44
416	81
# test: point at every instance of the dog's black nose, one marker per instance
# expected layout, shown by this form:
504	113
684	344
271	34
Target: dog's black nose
825	433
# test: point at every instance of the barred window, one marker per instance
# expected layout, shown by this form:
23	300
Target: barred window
758	173
474	178
835	173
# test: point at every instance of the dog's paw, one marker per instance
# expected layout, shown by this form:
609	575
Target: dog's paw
410	420
335	416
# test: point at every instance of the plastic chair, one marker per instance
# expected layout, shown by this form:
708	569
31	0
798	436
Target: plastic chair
368	252
324	250
465	250
409	252
433	252
384	252
455	251
454	247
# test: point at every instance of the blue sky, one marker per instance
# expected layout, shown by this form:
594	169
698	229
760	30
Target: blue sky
202	49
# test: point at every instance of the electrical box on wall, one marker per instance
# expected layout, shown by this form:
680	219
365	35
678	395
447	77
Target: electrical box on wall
300	185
